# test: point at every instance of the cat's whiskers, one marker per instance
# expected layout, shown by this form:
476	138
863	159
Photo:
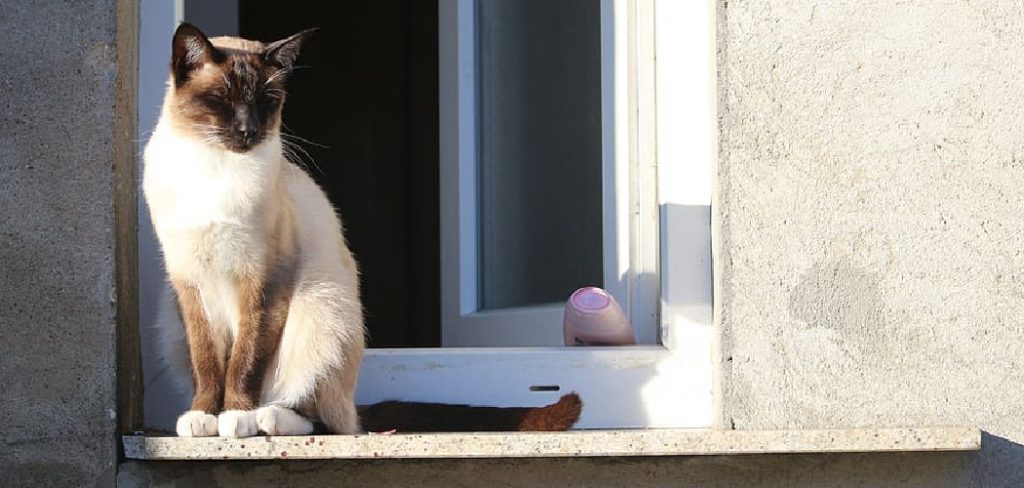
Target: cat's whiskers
294	137
210	134
292	153
282	72
291	141
277	73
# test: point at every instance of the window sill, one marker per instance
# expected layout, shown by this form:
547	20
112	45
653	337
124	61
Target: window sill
580	443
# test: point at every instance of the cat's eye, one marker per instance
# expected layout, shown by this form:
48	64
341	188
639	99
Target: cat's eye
270	100
216	97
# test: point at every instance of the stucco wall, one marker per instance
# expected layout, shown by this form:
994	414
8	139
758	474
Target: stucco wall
871	210
66	126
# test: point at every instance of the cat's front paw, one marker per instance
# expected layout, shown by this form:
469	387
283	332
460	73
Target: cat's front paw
274	420
237	423
197	423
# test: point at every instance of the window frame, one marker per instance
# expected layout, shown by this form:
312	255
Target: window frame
665	385
629	195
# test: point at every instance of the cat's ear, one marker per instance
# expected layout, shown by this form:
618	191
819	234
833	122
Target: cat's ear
190	50
283	53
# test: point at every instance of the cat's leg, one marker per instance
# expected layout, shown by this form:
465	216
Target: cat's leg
207	366
320	354
275	420
334	401
264	309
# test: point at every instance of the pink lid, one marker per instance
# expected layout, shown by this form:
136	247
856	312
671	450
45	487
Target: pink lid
591	299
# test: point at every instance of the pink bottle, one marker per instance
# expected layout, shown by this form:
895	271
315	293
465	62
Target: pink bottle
594	318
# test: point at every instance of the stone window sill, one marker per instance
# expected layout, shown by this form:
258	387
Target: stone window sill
579	443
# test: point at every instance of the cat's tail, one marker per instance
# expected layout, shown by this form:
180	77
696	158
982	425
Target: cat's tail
440	417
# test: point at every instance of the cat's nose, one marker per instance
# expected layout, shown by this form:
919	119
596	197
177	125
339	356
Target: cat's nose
246	132
248	135
246	124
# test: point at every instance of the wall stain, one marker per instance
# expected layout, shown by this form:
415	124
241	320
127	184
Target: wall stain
844	299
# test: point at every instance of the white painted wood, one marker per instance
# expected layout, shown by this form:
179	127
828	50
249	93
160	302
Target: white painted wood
179	11
457	107
669	442
642	386
539	325
686	131
615	151
630	228
644	270
463	324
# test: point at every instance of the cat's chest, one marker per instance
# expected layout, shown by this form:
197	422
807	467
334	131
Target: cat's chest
206	200
191	184
209	208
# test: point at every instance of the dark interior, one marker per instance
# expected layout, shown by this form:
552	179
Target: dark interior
369	95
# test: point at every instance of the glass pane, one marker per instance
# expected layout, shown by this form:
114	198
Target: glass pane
540	150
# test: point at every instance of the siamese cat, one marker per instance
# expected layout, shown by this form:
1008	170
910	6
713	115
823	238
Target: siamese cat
262	312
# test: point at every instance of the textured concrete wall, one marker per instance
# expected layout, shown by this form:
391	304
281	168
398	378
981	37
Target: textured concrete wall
65	162
871	213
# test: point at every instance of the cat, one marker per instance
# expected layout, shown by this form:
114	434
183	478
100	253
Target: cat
262	311
264	282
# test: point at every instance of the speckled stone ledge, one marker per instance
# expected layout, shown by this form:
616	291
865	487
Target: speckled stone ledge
586	443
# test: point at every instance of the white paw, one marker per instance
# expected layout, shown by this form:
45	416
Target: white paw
274	420
197	423
236	423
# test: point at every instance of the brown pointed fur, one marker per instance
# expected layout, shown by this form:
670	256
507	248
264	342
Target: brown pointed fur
437	417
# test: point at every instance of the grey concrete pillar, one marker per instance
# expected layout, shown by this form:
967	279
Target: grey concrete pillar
67	244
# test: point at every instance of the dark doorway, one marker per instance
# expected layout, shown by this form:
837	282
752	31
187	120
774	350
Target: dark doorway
369	95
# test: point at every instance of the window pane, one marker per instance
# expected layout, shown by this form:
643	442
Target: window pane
540	150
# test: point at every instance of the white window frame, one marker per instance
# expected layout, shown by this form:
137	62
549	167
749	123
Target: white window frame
630	264
666	385
664	123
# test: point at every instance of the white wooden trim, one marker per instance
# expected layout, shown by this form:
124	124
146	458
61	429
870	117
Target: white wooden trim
463	324
641	386
615	149
630	220
538	325
457	107
686	141
179	11
641	124
655	386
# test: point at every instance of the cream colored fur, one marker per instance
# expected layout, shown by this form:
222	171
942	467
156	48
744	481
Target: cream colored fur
213	210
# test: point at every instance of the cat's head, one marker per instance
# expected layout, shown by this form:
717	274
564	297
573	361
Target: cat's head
230	91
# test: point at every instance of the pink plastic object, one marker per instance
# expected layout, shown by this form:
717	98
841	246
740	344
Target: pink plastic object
594	318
